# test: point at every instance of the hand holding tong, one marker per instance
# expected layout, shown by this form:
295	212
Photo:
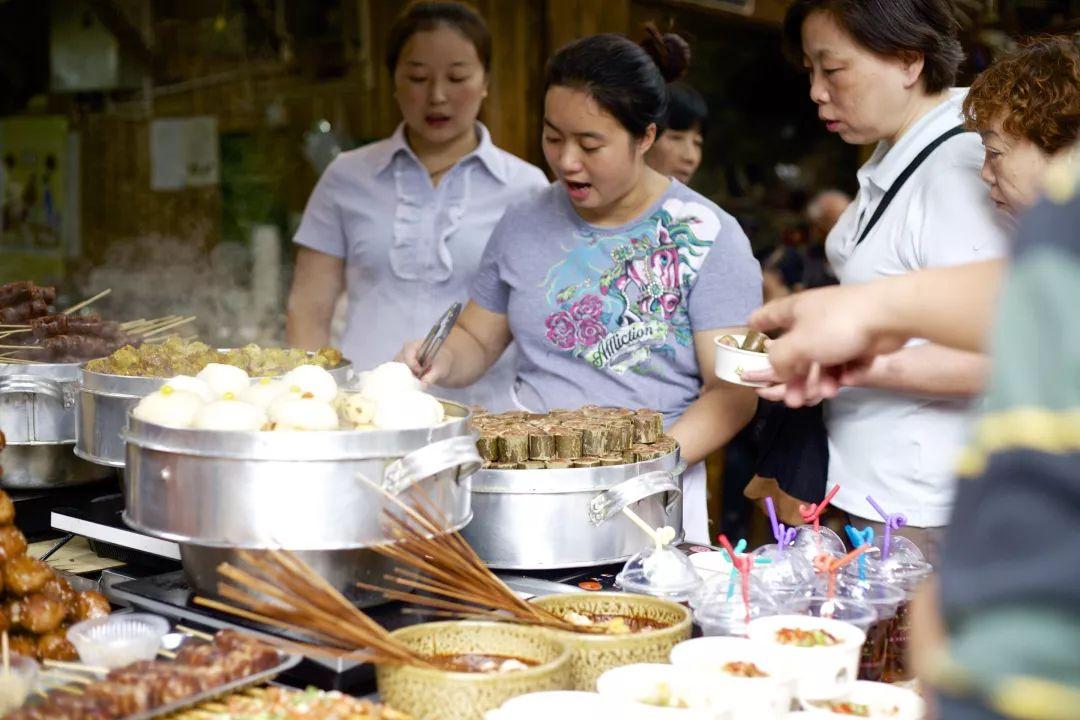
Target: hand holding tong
436	337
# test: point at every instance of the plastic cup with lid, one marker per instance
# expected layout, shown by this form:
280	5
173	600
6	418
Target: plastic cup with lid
663	572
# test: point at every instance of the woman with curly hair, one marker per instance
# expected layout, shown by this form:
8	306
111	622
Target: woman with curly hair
1026	106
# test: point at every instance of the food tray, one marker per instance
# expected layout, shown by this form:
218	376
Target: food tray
287	662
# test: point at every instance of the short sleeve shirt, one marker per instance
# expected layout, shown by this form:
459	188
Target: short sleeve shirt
412	248
901	448
607	315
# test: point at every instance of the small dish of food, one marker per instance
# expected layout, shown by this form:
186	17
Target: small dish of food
736	354
665	691
555	703
870	700
751	675
820	654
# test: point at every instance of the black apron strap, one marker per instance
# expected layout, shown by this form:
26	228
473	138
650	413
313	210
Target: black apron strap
908	171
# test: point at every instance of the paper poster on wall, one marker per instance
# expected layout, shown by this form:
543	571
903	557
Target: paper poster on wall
33	204
184	153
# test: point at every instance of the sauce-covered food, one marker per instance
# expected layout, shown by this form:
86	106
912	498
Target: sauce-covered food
613	624
744	670
806	638
480	663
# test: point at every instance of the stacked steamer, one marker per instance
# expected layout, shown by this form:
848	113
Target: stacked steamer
595	461
296	463
109	387
37	605
38	371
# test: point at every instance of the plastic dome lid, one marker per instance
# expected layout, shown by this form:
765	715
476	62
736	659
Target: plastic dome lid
884	597
787	573
811	542
900	570
720	609
663	572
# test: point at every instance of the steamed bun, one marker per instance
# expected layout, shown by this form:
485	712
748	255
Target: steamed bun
390	378
313	380
263	392
410	409
229	415
224	379
356	409
303	413
169	407
192	385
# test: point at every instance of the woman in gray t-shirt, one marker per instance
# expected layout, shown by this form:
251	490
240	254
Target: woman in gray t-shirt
615	279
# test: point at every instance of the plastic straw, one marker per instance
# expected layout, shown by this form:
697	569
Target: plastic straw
893	522
860	539
813	512
825	563
742	563
772	518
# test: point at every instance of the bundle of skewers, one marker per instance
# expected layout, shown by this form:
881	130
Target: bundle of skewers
31	332
89	693
436	570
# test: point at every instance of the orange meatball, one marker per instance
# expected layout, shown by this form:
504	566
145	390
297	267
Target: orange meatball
40	614
24	575
21	644
91	604
12	542
60	589
7	509
56	646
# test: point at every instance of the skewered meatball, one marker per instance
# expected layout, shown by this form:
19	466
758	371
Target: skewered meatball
7	508
40	614
24	575
90	604
56	646
124	699
60	589
22	644
12	542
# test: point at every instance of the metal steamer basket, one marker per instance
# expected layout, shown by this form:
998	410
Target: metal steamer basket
541	519
103	405
217	493
37	416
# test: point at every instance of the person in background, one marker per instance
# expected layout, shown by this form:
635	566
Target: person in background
822	213
615	280
400	224
1026	107
880	72
677	150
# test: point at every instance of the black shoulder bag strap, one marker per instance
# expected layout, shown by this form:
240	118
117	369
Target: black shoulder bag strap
899	183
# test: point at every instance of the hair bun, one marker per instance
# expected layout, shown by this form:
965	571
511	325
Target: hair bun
669	51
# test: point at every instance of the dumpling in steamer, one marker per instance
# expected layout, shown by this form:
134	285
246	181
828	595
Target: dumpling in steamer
313	380
169	407
191	384
392	378
303	413
357	410
224	379
411	409
230	415
263	392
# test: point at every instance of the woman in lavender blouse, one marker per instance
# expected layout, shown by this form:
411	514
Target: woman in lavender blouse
400	224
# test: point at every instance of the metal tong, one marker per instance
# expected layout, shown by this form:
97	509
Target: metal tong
437	336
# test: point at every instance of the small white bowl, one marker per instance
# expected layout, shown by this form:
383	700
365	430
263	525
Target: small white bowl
766	698
639	683
883	699
556	703
818	672
732	362
118	640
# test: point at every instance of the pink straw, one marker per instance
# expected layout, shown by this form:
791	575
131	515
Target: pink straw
743	564
813	513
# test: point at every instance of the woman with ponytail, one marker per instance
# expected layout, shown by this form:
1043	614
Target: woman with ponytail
615	280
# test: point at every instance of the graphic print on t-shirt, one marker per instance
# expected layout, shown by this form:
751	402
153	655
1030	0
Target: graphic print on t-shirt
619	298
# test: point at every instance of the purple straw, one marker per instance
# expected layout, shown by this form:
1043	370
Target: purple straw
893	521
772	519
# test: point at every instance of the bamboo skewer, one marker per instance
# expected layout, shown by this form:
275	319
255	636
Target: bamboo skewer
62	665
195	633
169	326
86	302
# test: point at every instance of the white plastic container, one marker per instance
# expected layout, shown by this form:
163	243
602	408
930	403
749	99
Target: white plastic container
882	699
819	672
118	640
642	684
555	704
732	362
754	698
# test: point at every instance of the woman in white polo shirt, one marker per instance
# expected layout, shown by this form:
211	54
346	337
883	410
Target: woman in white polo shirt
880	72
